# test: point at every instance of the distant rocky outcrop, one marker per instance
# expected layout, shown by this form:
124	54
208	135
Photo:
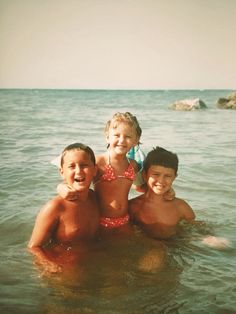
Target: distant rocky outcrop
188	104
228	102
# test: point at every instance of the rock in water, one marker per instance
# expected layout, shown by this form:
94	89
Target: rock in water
227	102
188	105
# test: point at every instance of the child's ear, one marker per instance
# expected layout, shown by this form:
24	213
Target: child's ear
107	137
61	172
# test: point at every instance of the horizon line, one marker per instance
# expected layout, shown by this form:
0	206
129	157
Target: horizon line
116	89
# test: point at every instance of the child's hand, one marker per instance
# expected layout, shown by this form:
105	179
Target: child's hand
141	188
50	267
216	242
67	192
169	195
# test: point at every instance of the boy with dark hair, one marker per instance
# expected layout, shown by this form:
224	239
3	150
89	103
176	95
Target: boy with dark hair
156	215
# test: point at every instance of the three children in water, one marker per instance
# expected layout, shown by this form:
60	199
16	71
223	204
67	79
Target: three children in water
78	212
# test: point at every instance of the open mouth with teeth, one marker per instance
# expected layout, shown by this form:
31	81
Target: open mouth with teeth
79	180
159	187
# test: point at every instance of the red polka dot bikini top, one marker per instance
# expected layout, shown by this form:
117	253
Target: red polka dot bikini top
110	174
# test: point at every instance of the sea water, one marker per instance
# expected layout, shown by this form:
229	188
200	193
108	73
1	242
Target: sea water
120	277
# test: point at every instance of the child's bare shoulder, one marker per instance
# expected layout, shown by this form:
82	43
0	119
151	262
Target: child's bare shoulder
136	199
184	209
180	202
135	203
101	159
54	206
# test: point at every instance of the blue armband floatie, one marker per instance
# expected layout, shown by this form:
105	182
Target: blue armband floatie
137	154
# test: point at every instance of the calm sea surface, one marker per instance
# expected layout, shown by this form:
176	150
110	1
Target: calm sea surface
123	275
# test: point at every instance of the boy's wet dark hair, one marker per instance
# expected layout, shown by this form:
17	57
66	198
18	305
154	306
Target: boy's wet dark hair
78	146
161	157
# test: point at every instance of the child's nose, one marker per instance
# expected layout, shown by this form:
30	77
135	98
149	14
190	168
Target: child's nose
78	169
161	179
122	138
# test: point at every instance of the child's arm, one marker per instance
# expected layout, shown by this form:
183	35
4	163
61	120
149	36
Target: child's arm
133	208
44	225
139	184
187	212
67	192
42	260
130	209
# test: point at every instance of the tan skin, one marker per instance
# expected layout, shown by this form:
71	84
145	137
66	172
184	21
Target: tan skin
156	215
112	196
66	222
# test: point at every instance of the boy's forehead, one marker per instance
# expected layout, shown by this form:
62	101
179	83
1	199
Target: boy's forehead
161	168
76	154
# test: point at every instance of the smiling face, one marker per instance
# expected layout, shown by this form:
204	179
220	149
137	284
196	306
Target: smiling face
78	169
121	137
159	179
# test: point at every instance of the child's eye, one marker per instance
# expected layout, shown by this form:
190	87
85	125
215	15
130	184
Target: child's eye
84	165
156	174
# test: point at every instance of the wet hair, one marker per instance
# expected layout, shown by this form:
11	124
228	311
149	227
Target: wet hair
161	157
78	146
126	117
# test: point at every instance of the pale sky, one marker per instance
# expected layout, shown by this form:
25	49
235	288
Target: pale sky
118	44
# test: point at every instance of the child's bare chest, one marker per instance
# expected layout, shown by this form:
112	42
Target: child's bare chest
163	215
76	224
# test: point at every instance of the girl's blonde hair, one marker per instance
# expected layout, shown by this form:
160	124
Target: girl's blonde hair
126	117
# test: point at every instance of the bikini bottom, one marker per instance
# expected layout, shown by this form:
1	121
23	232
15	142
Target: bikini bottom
109	222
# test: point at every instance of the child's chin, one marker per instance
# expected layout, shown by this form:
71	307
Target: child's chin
121	152
158	192
79	188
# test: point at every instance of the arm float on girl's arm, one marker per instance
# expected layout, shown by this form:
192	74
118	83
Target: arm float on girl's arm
138	155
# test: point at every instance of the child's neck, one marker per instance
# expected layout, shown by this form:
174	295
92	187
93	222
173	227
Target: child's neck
114	157
82	196
157	198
